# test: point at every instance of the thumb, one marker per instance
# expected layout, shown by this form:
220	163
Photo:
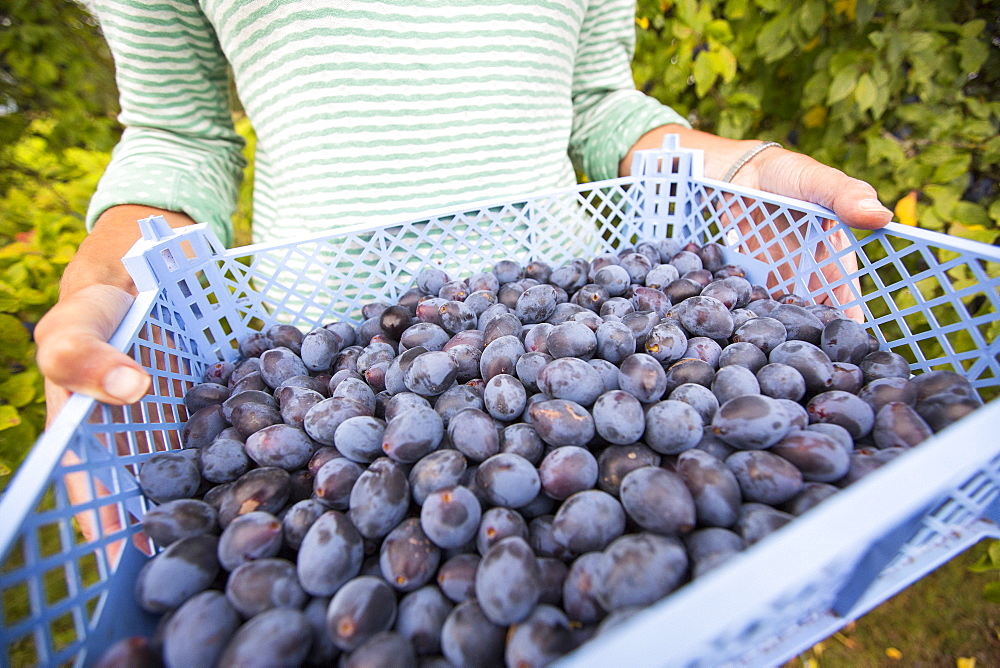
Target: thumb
73	352
797	175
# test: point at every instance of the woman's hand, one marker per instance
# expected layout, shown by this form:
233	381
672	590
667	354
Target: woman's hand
783	172
94	295
74	354
778	171
73	350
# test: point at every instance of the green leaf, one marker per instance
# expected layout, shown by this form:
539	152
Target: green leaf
994	553
9	417
991	150
811	15
772	37
704	74
783	48
815	90
978	130
842	85
865	92
770	5
21	389
719	29
681	31
736	9
952	168
743	99
931	220
724	63
974	28
919	41
16	442
865	12
945	199
45	72
883	90
983	564
975	215
12	332
884	148
843	59
974	52
687	11
735	122
991	592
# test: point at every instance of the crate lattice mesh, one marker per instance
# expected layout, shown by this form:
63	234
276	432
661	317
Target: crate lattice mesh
932	299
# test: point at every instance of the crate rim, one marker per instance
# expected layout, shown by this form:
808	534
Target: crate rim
675	619
26	487
53	443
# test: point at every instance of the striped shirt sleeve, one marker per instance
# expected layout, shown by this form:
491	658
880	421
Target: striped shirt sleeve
179	150
609	113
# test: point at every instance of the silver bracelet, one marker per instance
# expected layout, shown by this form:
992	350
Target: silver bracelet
747	157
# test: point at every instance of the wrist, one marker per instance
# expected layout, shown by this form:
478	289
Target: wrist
719	152
745	159
88	269
98	260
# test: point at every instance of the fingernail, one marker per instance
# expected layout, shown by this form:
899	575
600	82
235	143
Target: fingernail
872	205
126	384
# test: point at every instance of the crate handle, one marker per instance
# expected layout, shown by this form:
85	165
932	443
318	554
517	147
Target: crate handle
875	559
160	253
155	228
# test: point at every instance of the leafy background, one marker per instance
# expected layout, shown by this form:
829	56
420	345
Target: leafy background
905	95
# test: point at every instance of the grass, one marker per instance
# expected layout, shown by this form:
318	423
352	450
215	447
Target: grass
941	620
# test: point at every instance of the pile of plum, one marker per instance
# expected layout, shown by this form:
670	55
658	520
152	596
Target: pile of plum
494	470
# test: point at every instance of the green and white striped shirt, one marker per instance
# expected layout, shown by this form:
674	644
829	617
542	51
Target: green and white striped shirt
367	110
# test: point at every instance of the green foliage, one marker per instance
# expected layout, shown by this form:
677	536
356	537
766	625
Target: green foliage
903	95
58	104
54	65
242	233
41	225
57	89
989	562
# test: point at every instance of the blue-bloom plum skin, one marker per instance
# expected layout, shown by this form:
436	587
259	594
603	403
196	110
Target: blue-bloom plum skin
495	467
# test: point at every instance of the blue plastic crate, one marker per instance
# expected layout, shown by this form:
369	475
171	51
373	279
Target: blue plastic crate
932	298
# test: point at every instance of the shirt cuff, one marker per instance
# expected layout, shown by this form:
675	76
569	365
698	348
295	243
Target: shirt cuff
617	125
157	188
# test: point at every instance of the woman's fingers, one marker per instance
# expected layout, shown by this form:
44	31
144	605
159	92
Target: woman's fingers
73	352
